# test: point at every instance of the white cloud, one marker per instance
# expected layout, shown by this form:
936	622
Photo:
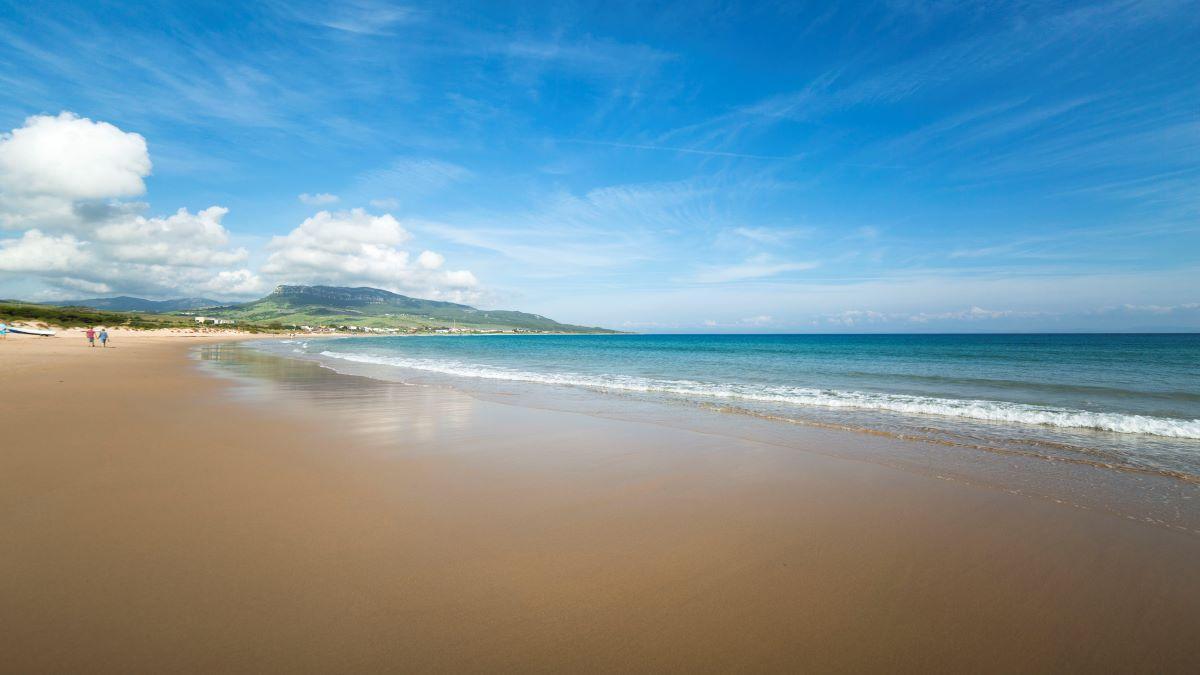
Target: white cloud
430	260
74	158
564	233
356	247
1151	309
61	182
748	322
236	283
91	287
55	171
757	267
343	232
969	314
36	252
69	263
851	318
462	280
857	317
186	239
770	236
362	17
318	199
407	179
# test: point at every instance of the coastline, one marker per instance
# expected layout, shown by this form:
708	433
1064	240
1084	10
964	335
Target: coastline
1081	475
158	521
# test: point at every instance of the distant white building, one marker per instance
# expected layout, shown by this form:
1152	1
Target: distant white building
213	320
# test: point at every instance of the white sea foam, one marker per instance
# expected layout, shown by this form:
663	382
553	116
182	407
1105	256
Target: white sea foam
992	411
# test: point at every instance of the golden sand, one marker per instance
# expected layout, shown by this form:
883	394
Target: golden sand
152	523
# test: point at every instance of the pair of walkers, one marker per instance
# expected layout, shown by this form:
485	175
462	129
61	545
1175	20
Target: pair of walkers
92	336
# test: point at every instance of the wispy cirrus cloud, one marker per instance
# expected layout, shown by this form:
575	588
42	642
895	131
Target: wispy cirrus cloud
1039	131
1023	157
682	150
358	17
757	267
771	235
408	178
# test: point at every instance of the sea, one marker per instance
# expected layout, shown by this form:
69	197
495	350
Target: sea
1115	401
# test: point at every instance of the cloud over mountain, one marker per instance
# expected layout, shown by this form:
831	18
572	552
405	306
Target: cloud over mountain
355	247
64	182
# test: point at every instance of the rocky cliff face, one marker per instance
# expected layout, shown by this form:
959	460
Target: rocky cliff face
341	296
338	294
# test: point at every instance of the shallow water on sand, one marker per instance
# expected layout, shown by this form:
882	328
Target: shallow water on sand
1130	402
389	402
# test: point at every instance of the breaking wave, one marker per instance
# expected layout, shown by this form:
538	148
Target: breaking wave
973	409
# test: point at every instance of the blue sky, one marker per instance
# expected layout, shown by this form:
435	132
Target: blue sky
719	166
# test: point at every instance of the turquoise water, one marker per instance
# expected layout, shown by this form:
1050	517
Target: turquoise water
1127	401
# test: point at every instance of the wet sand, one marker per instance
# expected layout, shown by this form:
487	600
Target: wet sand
157	518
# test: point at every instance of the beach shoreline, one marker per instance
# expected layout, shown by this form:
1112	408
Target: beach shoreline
158	521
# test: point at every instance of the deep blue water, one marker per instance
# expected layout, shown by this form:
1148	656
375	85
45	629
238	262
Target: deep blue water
1133	399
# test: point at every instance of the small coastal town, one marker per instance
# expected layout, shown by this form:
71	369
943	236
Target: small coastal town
351	328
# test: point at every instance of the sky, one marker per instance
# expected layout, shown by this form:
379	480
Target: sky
683	167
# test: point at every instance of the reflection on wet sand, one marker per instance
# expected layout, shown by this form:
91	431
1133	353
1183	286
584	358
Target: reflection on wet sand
411	411
371	411
296	520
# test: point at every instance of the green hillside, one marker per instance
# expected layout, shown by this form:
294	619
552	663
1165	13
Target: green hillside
125	303
331	306
70	317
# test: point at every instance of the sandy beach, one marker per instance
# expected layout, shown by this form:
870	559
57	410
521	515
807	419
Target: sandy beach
156	519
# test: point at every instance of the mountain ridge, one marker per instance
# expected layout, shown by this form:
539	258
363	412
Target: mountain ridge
364	306
126	303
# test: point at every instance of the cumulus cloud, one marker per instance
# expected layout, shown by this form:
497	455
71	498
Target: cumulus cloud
73	157
193	240
91	287
430	260
319	199
235	283
62	179
69	263
357	248
56	171
38	252
65	184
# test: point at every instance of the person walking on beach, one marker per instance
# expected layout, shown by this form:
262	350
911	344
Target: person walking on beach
91	336
103	337
3	331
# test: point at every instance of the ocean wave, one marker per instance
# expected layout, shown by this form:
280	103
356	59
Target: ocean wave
983	410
